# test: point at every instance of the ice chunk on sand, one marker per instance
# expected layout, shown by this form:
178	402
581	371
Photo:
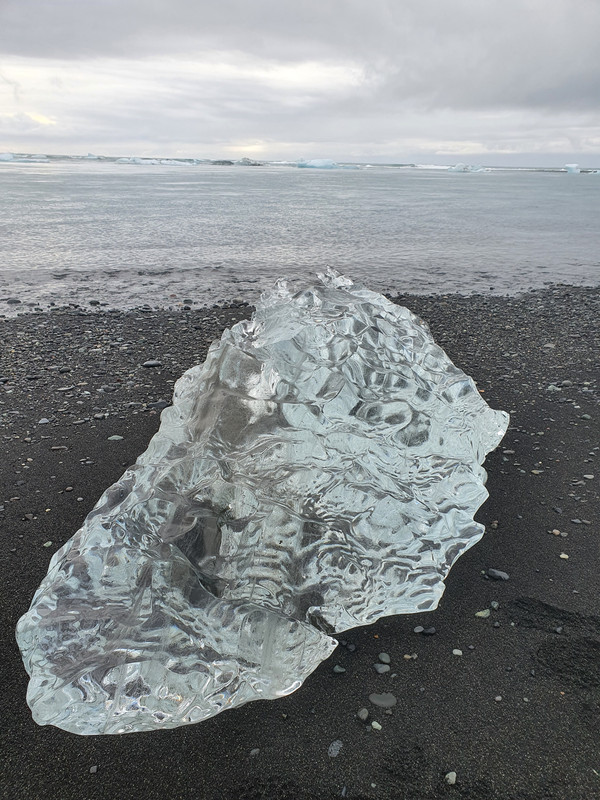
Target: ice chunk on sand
320	470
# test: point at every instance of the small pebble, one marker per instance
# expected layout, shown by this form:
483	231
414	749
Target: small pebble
338	669
429	631
495	605
114	438
498	575
255	751
94	769
376	726
152	363
384	658
450	778
334	748
564	556
457	652
498	698
483	614
418	629
47	544
362	714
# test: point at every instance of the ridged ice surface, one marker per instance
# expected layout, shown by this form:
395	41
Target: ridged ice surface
320	470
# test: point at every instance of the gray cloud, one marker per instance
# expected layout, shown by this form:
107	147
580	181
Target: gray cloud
503	74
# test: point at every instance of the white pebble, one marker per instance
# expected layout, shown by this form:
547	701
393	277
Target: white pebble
457	652
450	778
376	726
334	748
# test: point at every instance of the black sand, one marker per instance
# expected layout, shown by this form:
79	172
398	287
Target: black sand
539	651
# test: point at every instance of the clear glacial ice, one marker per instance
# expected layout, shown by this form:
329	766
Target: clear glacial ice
320	470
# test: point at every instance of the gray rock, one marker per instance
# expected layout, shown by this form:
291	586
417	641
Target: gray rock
152	363
381	668
384	700
384	658
362	714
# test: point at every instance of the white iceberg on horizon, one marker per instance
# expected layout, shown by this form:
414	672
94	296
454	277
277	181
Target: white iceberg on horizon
317	163
460	167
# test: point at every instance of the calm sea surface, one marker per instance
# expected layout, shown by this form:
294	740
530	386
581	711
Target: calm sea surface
128	234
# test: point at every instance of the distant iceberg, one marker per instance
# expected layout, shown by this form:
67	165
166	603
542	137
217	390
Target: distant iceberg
20	157
249	162
572	169
168	162
317	163
467	168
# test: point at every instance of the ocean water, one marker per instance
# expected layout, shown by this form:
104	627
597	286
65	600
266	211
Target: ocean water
128	235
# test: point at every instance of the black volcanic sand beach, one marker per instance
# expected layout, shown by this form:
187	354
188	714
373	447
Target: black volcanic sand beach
515	716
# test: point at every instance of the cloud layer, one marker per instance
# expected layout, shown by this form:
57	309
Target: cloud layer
376	79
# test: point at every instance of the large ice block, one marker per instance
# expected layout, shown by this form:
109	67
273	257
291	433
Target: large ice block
320	470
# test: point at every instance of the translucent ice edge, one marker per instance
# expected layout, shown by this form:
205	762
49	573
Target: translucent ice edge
320	470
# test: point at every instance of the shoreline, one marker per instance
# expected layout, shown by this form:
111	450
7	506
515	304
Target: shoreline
12	307
534	355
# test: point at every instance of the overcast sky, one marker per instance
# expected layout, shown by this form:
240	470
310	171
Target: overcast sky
440	81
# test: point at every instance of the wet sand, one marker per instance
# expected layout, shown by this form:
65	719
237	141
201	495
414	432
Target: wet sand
536	356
